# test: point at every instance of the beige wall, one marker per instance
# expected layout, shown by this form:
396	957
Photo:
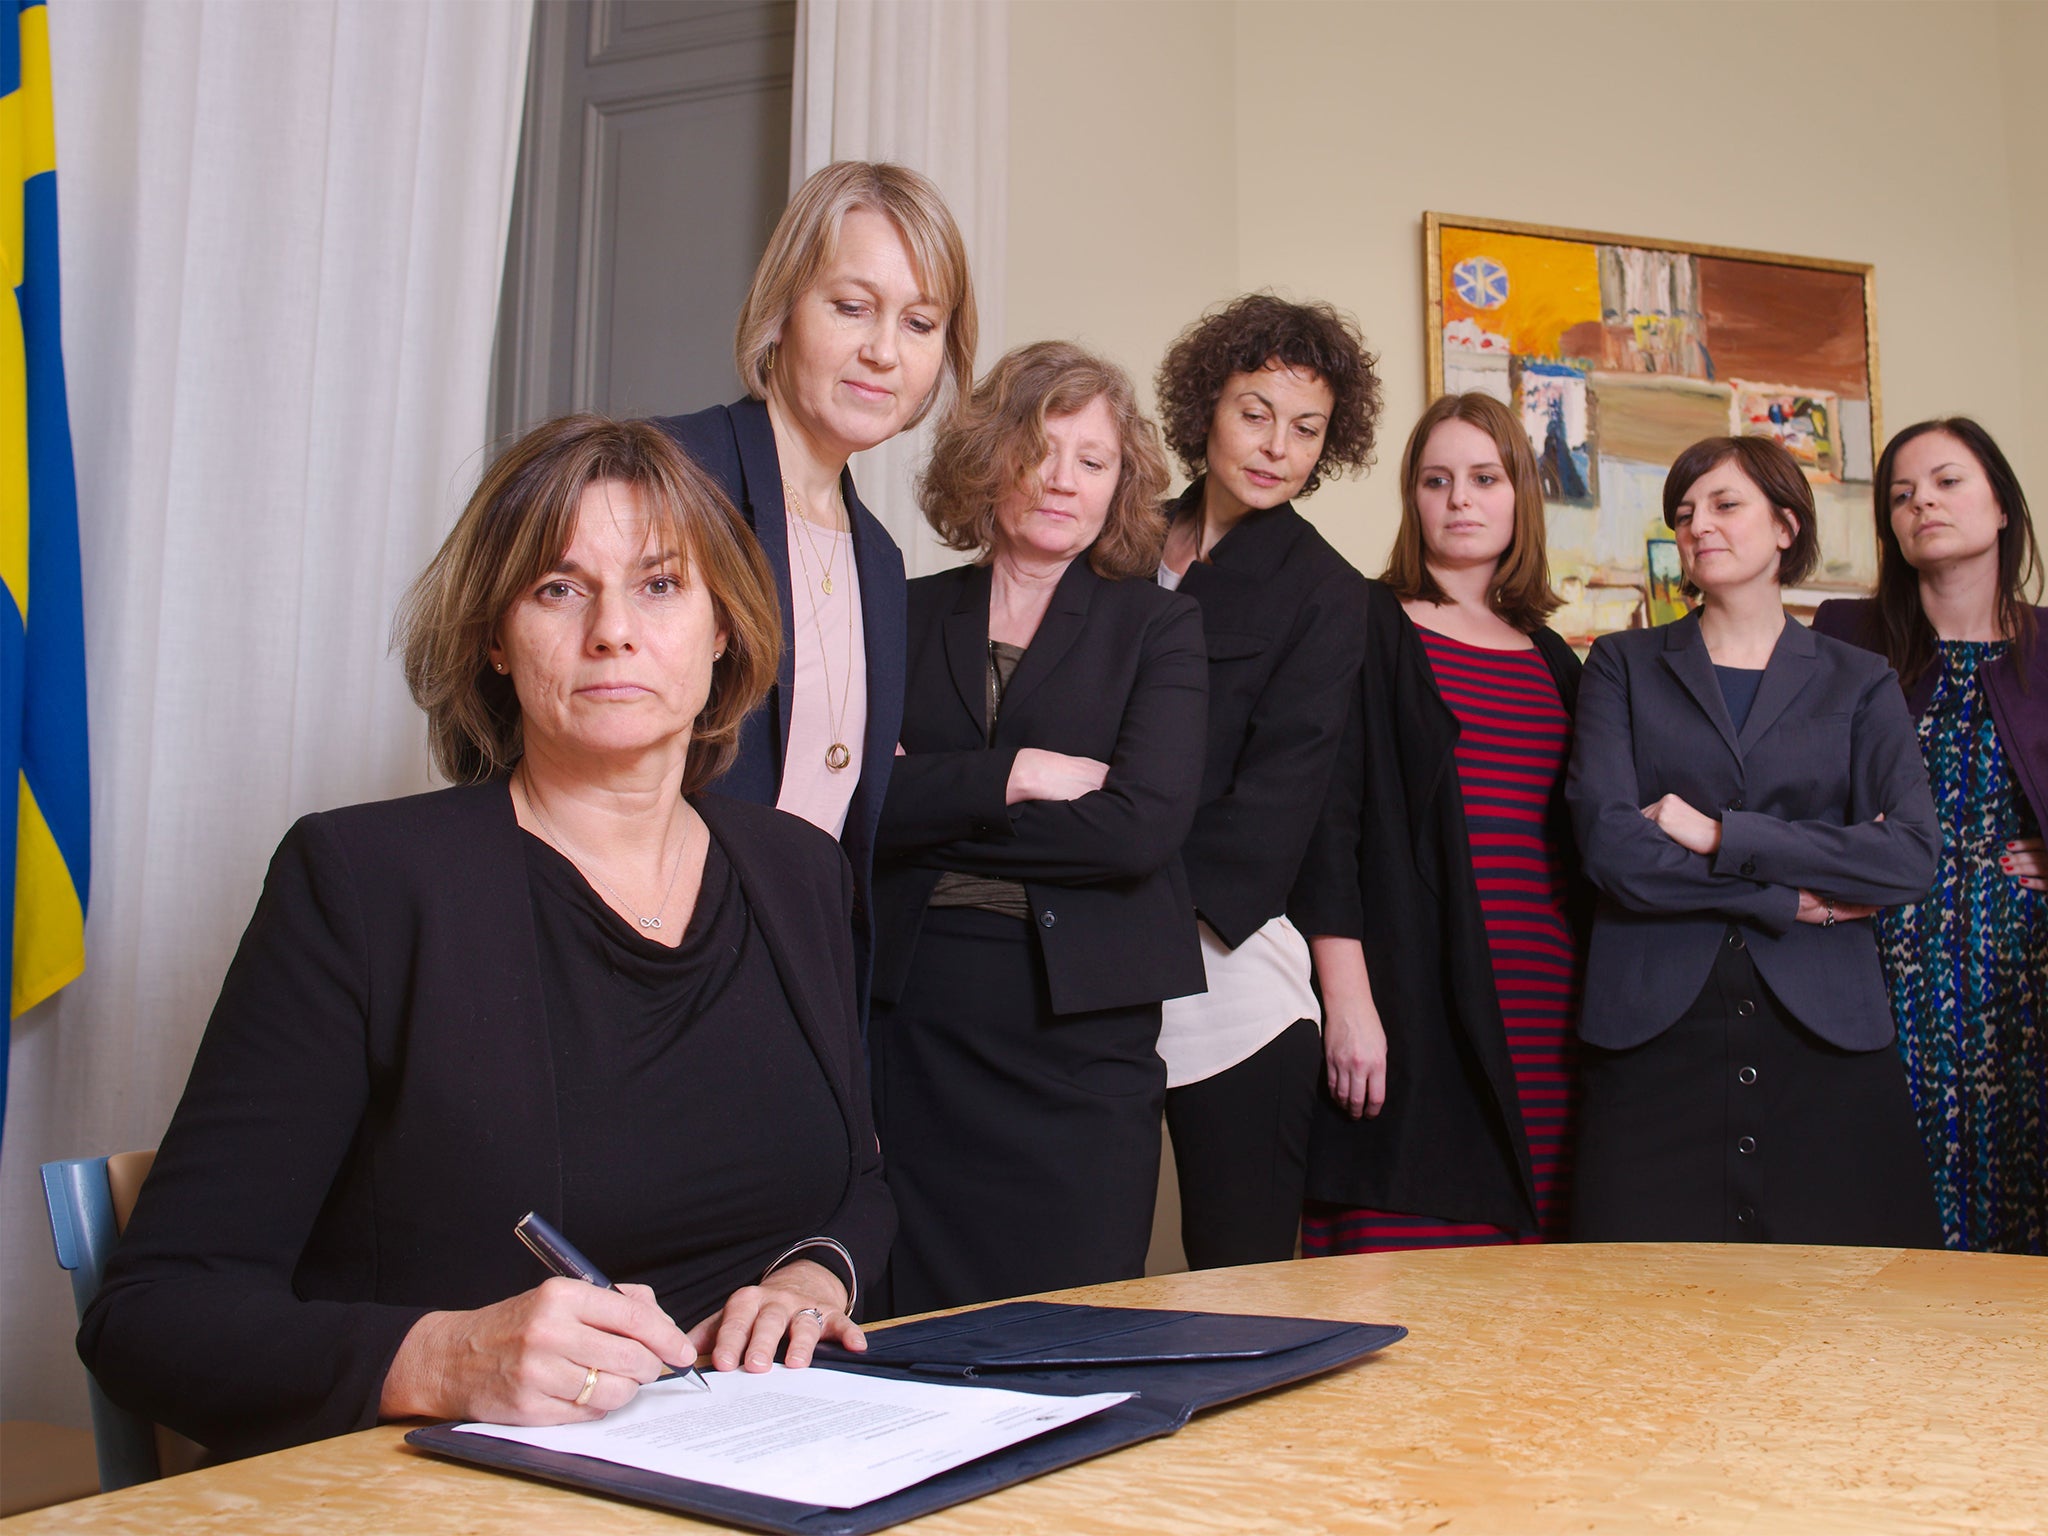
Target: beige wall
1166	154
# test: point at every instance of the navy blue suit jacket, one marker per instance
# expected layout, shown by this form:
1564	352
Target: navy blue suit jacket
736	445
1827	748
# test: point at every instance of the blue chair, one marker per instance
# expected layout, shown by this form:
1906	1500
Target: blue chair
89	1200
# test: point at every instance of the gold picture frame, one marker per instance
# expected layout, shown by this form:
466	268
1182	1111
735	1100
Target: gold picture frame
1615	350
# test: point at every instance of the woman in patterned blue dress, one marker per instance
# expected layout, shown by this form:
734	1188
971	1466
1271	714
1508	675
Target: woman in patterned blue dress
1968	965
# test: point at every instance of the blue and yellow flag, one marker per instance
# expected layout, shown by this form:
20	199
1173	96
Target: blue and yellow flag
43	836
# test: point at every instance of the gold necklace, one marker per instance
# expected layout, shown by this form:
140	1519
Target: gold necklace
837	756
796	515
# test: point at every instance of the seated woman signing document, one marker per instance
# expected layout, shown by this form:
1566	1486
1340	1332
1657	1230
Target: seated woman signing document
571	984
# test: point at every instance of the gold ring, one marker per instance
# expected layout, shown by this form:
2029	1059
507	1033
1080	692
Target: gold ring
589	1386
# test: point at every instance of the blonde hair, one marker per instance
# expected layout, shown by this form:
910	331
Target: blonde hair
516	528
807	237
1520	591
996	441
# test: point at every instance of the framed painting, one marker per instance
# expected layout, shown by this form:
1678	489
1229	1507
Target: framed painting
1617	352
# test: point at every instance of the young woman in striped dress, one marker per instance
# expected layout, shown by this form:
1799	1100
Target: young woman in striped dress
1440	892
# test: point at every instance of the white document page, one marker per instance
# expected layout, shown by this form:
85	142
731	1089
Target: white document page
814	1436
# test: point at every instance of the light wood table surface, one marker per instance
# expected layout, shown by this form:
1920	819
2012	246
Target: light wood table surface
1551	1389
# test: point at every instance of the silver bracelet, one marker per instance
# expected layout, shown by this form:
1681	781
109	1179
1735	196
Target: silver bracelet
852	1274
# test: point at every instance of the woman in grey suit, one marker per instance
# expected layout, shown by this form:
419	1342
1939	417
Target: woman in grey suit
1746	794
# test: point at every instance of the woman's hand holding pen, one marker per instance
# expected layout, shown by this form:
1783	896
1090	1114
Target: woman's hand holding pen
801	1300
530	1359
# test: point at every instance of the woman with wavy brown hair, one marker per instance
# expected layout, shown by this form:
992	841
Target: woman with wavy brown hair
1440	889
572	983
1968	965
1030	905
1260	400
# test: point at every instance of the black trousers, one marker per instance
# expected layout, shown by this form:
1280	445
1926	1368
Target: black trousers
1022	1146
1738	1124
1240	1151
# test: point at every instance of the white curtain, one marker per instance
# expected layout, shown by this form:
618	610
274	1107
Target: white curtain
282	233
924	83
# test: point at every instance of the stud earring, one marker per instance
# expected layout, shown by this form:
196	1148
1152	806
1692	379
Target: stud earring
499	665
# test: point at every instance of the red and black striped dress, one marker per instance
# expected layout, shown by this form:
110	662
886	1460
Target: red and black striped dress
1513	736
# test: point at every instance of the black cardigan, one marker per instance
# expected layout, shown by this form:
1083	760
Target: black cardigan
1391	865
1116	673
373	1107
1284	616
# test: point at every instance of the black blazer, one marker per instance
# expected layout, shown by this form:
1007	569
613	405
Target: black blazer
2019	709
1116	672
736	445
373	1107
1827	747
1284	615
1391	866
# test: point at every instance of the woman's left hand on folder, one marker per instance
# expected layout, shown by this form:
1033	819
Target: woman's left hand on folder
747	1331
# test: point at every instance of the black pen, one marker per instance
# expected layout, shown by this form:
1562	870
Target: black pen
563	1258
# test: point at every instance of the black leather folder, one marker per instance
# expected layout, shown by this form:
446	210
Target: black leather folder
1178	1364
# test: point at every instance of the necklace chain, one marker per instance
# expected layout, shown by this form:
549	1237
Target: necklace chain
555	837
837	756
796	515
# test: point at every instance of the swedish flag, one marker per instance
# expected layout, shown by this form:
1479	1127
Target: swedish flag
43	841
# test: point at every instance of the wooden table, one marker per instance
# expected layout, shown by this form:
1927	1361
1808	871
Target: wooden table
1558	1389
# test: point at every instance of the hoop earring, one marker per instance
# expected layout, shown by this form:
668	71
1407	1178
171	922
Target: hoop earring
771	359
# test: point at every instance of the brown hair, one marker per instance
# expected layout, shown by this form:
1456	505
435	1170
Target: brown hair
1244	336
516	529
1520	591
1908	637
997	440
1773	471
807	237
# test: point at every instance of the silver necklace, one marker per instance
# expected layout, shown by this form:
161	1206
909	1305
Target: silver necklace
581	868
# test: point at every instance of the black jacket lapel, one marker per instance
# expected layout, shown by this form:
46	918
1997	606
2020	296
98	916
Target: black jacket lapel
1685	655
765	509
1065	617
1791	667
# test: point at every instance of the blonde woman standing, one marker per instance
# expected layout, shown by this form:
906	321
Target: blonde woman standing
859	324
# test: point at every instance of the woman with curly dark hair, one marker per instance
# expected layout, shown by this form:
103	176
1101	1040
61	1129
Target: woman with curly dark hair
1261	398
1030	909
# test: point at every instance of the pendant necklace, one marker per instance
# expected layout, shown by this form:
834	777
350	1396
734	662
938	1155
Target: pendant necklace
837	756
583	869
796	515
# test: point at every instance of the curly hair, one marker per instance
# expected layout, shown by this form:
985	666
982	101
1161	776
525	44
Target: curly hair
1244	336
996	441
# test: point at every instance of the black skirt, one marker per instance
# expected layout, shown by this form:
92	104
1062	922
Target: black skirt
1022	1146
1737	1124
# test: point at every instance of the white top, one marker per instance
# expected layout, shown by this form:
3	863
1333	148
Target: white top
830	700
1255	991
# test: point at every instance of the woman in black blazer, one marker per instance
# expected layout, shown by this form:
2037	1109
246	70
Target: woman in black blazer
1440	888
1031	909
1747	794
1260	400
562	987
859	322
